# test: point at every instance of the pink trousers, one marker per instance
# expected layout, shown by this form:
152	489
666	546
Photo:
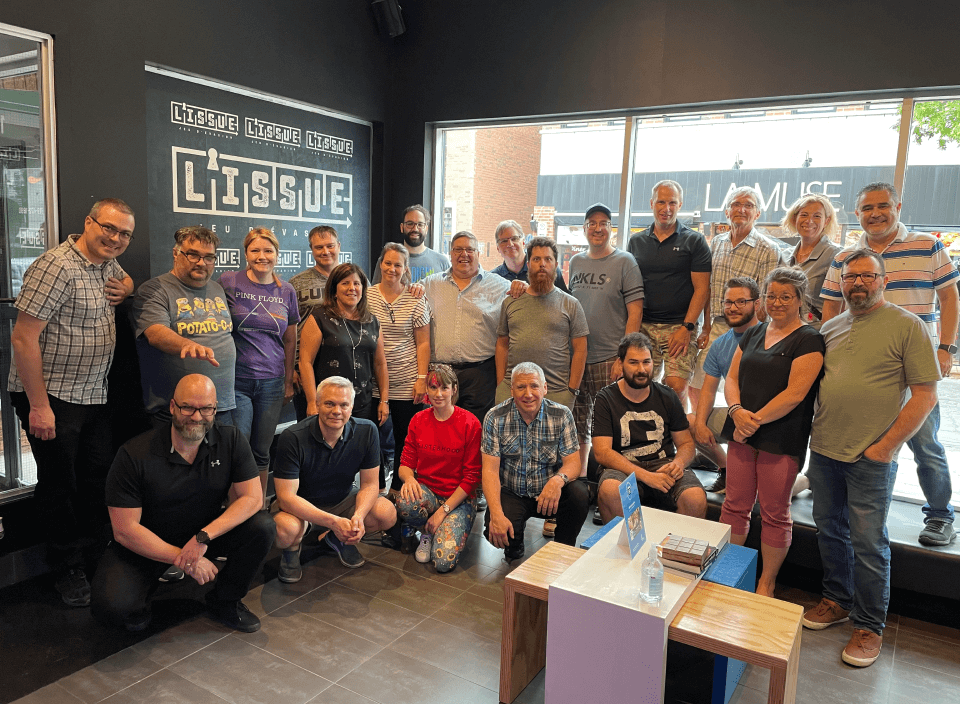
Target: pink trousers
752	475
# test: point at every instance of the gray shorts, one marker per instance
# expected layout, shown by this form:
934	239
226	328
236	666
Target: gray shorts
343	509
654	497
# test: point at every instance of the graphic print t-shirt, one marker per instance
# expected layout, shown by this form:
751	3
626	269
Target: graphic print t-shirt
640	431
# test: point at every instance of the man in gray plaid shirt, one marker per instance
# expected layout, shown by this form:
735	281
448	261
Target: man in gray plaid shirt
63	345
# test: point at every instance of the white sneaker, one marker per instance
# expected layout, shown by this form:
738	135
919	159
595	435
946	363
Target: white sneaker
801	483
423	550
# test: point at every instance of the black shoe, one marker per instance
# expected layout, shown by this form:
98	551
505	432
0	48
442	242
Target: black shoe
138	622
481	501
720	485
348	554
74	588
597	518
233	614
392	538
511	554
290	570
173	574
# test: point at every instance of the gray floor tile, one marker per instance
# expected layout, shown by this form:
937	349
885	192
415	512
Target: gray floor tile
921	650
406	589
818	687
920	684
182	640
274	594
745	695
162	688
455	650
931	630
535	692
361	614
51	694
391	678
490	585
336	694
110	675
474	613
821	650
468	572
314	645
240	672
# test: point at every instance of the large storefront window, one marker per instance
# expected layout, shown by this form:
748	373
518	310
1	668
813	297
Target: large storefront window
27	212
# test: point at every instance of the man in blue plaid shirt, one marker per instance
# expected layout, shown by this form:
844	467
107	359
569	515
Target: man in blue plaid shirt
531	462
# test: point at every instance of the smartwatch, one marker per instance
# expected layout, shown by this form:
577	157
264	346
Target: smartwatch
952	349
203	538
575	392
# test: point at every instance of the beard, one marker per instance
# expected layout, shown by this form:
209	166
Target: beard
540	284
870	300
189	430
413	239
741	319
637	381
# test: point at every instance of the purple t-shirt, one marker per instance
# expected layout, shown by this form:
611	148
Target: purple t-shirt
261	314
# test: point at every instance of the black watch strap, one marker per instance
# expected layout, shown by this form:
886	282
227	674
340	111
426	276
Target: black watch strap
690	326
203	538
952	349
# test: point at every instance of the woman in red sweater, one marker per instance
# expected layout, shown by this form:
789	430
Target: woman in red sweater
440	469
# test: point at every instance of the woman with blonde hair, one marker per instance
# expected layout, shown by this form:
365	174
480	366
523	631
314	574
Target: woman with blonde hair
264	312
813	218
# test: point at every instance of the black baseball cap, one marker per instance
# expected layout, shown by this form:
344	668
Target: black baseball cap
598	208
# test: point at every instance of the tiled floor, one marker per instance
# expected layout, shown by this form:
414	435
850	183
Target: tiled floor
395	632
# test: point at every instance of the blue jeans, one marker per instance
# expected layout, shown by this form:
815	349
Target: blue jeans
932	469
850	506
259	402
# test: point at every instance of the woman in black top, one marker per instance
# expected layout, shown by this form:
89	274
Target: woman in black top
770	391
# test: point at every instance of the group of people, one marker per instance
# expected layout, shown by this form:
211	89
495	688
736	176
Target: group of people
527	381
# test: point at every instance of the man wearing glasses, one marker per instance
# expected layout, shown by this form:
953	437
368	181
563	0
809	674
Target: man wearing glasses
509	239
165	492
63	344
183	327
922	277
414	226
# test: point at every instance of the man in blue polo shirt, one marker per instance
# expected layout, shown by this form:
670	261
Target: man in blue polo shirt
675	263
317	460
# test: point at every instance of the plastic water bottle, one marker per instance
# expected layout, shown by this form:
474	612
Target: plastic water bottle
651	578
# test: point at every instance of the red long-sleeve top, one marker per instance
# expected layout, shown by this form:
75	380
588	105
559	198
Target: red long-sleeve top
444	454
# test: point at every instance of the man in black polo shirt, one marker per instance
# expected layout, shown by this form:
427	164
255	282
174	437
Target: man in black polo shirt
313	472
166	489
675	262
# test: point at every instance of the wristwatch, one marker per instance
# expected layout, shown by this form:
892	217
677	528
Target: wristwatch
952	349
690	326
563	477
575	392
203	538
446	509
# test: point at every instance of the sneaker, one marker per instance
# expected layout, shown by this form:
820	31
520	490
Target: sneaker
422	555
173	574
863	648
597	518
801	483
719	485
511	554
824	614
549	527
74	588
348	554
138	622
290	570
481	501
233	614
937	532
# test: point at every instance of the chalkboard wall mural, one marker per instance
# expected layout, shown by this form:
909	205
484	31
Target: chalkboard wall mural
232	159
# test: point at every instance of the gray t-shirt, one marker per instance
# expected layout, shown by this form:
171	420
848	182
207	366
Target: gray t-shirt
539	329
604	287
198	314
428	262
870	362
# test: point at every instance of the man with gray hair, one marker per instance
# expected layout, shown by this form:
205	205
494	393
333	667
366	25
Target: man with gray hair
530	464
675	263
316	462
743	251
509	239
183	327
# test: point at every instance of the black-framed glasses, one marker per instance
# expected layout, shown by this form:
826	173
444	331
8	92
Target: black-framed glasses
739	303
782	300
410	224
111	231
205	411
195	258
867	278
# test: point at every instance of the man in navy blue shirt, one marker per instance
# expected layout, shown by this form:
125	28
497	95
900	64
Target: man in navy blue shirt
675	263
316	462
510	244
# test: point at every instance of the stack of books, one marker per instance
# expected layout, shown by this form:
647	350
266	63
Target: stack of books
686	554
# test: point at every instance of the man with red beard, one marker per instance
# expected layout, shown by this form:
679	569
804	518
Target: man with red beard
545	326
639	427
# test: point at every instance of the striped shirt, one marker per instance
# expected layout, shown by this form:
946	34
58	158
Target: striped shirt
755	256
398	320
917	265
529	454
463	328
66	290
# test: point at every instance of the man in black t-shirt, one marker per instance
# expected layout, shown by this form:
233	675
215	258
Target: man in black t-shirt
639	427
166	489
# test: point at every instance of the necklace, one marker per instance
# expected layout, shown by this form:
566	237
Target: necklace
353	350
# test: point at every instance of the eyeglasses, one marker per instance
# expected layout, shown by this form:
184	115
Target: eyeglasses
782	300
604	225
205	411
410	225
739	303
464	250
111	231
867	278
514	240
742	206
195	258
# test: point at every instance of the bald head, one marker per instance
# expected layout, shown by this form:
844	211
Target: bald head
193	408
196	386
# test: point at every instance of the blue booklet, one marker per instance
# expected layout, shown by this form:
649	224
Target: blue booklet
633	531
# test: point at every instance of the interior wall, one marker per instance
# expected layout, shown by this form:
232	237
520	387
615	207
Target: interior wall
490	60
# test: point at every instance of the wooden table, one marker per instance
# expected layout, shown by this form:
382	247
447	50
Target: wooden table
722	620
